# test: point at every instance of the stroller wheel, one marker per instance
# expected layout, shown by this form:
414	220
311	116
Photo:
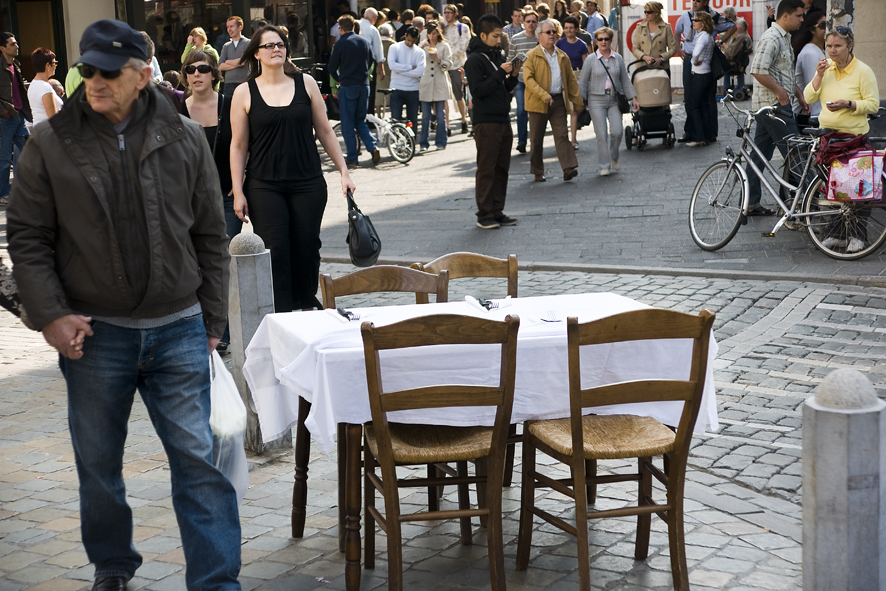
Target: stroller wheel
740	94
629	137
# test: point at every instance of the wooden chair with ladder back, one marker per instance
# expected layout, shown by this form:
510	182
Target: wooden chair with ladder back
574	439
377	279
388	444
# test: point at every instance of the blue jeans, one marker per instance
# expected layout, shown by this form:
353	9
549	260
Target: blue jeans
522	115
768	135
169	366
353	102
12	139
409	99
440	136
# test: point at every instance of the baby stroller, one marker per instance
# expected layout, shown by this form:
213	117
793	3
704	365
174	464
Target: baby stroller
653	119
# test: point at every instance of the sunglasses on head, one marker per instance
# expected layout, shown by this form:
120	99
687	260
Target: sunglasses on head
202	68
841	30
88	71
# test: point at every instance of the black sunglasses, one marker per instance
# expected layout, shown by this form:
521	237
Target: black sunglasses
822	25
649	12
202	68
599	39
841	30
88	71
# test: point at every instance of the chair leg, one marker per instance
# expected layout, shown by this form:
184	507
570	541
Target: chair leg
433	492
677	541
464	502
369	501
509	457
494	525
527	501
591	470
341	451
300	485
644	522
581	523
481	467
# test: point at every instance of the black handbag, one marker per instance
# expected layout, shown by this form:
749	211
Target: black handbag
584	118
624	105
364	245
719	63
332	109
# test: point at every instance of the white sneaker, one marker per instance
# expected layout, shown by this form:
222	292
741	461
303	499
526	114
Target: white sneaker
855	245
615	165
604	172
833	242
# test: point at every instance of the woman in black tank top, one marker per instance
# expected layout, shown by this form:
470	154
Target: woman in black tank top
281	189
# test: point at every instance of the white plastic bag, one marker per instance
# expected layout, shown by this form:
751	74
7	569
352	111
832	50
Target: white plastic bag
227	419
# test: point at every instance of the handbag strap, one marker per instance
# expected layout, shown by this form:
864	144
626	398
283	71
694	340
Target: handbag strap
221	110
602	63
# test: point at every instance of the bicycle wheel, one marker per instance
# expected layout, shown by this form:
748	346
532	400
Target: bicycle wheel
715	212
401	144
841	222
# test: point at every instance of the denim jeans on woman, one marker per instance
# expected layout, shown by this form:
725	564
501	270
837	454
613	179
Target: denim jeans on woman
440	136
605	113
522	115
352	103
169	366
12	139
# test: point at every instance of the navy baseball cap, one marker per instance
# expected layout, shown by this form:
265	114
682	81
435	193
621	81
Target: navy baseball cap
110	44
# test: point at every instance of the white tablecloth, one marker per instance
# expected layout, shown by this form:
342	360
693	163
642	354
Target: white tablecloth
319	355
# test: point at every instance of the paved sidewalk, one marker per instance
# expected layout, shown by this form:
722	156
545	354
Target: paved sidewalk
777	340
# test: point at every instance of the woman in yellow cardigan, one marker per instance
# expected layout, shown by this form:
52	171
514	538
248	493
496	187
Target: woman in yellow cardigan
846	87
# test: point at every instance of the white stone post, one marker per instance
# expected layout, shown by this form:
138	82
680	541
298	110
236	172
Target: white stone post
251	298
844	466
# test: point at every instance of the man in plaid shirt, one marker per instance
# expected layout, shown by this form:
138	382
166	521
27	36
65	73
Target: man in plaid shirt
774	84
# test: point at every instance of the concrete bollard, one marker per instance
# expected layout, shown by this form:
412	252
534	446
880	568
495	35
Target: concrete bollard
844	475
251	298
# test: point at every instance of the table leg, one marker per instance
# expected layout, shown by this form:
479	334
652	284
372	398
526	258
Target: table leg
302	456
352	509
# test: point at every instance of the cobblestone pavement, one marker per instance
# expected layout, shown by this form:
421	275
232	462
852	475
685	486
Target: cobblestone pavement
777	339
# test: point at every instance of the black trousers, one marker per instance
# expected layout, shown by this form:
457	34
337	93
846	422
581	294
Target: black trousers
493	142
701	107
287	216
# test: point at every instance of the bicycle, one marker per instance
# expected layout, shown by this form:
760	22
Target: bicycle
720	200
397	137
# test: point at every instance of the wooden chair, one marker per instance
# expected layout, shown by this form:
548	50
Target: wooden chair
381	278
601	437
391	444
469	264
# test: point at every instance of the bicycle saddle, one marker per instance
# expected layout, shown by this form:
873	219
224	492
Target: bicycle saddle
816	131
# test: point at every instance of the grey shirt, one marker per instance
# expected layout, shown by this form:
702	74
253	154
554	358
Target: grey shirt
231	52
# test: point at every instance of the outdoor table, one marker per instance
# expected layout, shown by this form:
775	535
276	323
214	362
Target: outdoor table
317	357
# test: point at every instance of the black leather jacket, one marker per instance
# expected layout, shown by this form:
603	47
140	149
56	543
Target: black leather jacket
6	108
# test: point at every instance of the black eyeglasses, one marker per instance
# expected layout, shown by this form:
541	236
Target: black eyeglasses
88	71
273	46
202	68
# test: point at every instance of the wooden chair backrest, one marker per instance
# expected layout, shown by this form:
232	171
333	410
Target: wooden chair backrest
383	278
641	325
469	264
441	329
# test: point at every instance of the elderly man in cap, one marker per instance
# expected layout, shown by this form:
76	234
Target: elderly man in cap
117	234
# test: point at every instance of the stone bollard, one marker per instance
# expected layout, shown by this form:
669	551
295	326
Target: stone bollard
844	467
251	298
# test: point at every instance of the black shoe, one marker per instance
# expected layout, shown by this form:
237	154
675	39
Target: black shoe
504	220
521	148
464	127
684	139
488	224
110	584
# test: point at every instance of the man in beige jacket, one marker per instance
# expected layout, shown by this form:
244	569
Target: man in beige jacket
549	81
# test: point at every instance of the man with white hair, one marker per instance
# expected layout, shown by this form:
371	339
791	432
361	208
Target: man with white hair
370	33
124	191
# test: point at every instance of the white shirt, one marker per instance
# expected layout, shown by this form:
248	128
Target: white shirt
401	60
371	34
556	78
595	21
335	33
458	36
36	92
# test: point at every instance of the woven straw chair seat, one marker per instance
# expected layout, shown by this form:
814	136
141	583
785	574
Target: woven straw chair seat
424	444
607	436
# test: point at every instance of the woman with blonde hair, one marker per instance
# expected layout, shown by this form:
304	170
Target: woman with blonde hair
198	40
653	39
701	101
435	88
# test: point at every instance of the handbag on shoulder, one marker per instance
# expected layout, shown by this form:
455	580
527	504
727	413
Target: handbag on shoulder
624	105
364	245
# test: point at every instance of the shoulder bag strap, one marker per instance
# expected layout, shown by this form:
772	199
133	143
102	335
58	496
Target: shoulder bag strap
602	63
221	110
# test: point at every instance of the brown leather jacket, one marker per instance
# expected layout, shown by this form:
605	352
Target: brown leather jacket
62	238
6	108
